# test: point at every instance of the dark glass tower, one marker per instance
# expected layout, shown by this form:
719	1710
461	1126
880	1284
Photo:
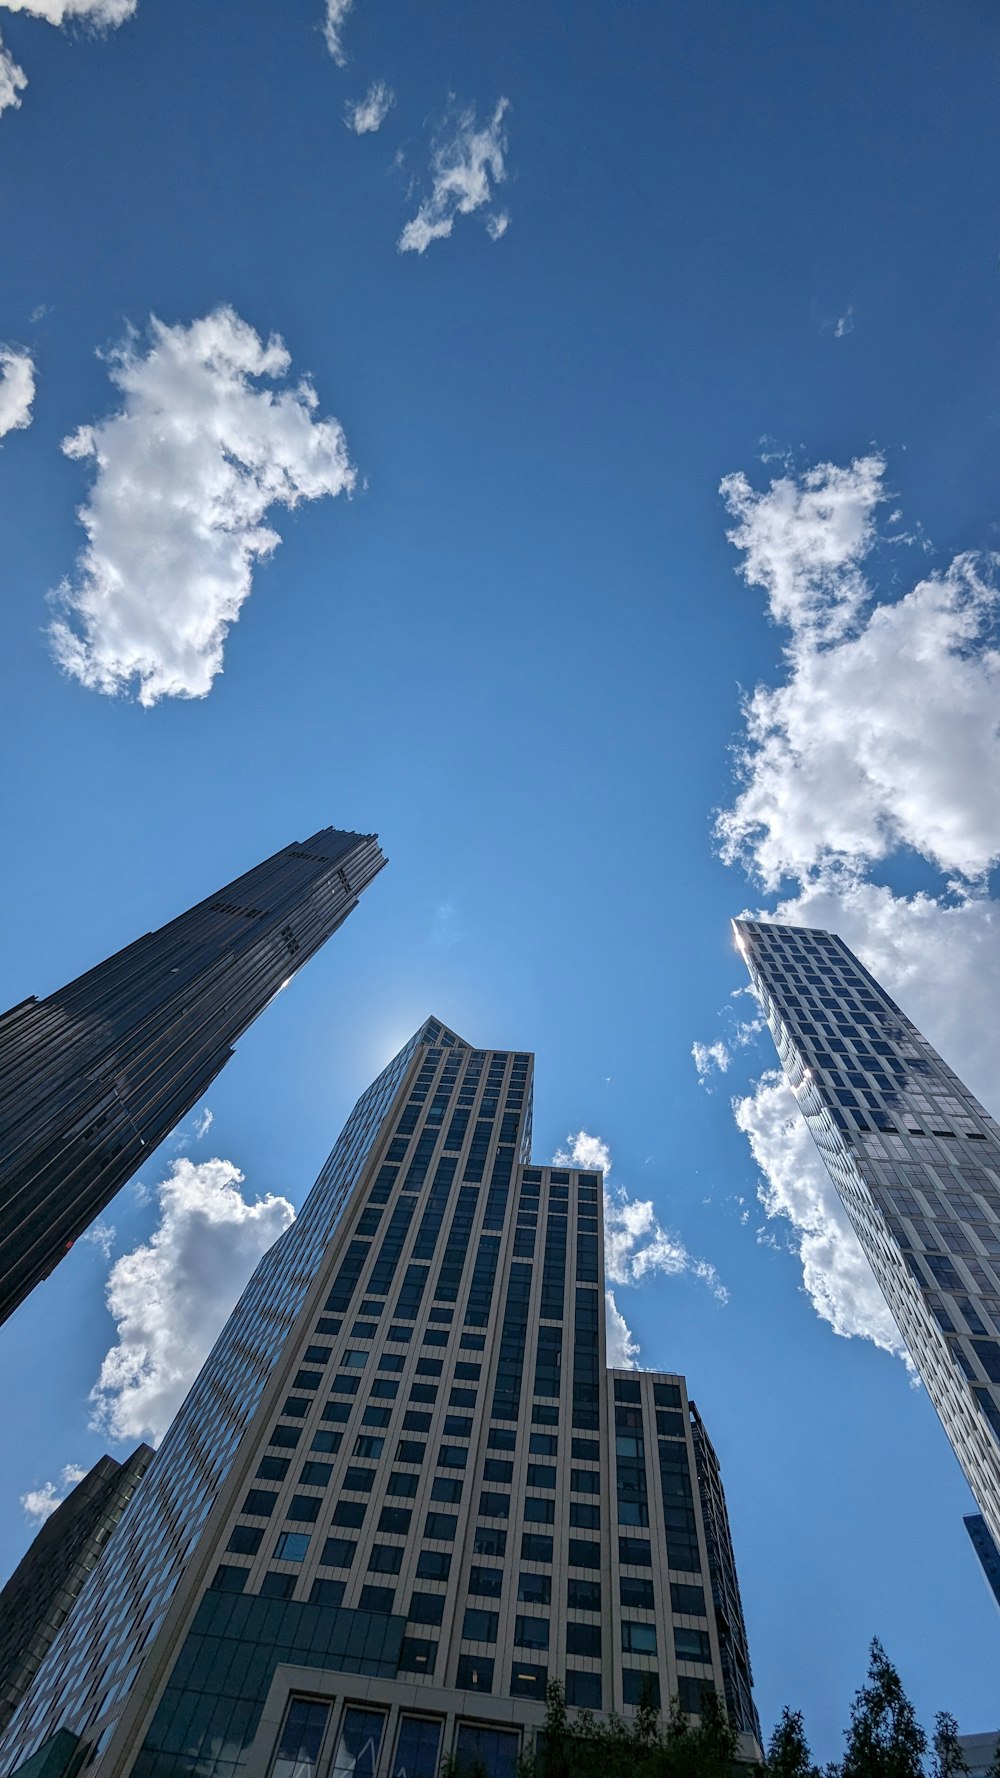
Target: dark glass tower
405	1492
93	1077
40	1593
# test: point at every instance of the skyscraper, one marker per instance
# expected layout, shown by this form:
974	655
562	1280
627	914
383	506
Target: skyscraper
94	1076
404	1490
986	1550
916	1161
40	1592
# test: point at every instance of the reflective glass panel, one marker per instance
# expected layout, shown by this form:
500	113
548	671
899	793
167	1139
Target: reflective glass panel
358	1747
298	1748
417	1748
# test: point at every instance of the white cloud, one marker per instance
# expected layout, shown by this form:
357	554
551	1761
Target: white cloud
203	1123
17	371
13	80
369	114
497	224
844	323
623	1348
835	1273
185	473
103	1236
40	1503
336	13
104	13
462	168
635	1244
710	1056
884	735
171	1296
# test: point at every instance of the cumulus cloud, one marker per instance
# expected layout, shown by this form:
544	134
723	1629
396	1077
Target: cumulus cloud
17	370
13	80
336	13
171	1296
185	472
623	1347
465	167
835	1273
884	735
369	114
40	1503
635	1243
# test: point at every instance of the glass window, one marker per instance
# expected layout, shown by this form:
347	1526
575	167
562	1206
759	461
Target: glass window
498	1469
338	1552
300	1739
684	1598
417	1420
638	1639
585	1481
367	1445
350	1512
273	1469
426	1608
277	1586
291	1546
286	1435
417	1655
327	1592
583	1639
583	1689
381	1599
502	1438
585	1515
543	1444
445	1487
417	1747
584	1554
245	1540
531	1632
535	1589
527	1681
404	1485
637	1594
227	1579
259	1502
410	1450
493	1751
583	1595
376	1417
433	1565
385	1558
641	1688
479	1626
475	1674
538	1511
692	1645
394	1518
494	1505
358	1747
633	1552
487	1582
691	1693
452	1457
304	1507
534	1547
316	1475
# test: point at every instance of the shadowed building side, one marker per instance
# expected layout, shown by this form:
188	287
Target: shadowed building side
96	1075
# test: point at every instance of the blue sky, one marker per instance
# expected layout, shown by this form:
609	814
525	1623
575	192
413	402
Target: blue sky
741	240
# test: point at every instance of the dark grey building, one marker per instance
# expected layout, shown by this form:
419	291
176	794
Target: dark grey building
986	1550
916	1161
42	1588
405	1491
94	1076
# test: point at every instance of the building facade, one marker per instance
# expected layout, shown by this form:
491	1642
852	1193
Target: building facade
916	1161
40	1593
405	1492
94	1076
986	1550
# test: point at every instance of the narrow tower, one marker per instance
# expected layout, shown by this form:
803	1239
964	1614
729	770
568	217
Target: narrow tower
916	1161
404	1492
93	1077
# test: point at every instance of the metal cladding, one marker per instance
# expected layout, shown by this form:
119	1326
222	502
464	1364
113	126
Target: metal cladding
93	1077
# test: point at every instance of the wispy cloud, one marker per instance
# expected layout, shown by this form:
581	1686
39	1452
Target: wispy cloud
884	735
17	370
103	1236
171	1296
203	1123
40	1503
844	323
102	14
710	1058
466	164
13	80
333	26
366	115
185	474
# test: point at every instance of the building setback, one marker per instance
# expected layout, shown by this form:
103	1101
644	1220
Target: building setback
42	1588
94	1076
405	1492
916	1161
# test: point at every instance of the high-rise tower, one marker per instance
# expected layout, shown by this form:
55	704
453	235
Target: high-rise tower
916	1161
404	1491
94	1076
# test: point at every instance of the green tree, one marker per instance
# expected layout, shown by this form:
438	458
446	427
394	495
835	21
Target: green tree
949	1760
885	1739
788	1754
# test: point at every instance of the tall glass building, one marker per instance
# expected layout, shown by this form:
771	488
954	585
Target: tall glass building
94	1076
405	1492
916	1161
